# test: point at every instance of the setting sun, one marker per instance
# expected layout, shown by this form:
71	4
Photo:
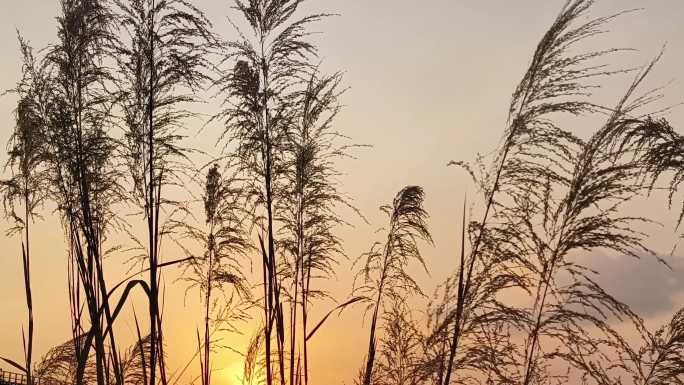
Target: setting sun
231	374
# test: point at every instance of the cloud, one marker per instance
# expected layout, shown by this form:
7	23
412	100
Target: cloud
645	284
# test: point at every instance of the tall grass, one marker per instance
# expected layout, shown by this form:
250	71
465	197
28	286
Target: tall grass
384	274
399	347
261	106
307	212
104	114
224	246
163	63
533	224
25	191
84	179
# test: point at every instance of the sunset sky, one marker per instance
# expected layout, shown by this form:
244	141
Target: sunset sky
429	81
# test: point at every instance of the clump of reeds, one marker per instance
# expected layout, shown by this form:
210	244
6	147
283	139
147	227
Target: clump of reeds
84	179
550	194
280	125
307	213
163	64
383	276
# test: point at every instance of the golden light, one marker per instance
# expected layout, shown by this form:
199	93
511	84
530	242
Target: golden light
231	374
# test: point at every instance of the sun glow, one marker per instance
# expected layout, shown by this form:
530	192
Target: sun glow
231	374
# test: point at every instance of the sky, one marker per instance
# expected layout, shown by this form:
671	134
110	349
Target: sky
429	81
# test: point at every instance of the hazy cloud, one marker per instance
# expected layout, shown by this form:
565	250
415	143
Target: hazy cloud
645	284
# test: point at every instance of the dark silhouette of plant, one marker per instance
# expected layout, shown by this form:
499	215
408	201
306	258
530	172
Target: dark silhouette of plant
662	359
60	366
659	361
399	348
659	149
259	110
549	196
307	211
485	345
585	217
162	61
134	362
547	180
224	246
26	189
84	177
571	208
255	363
383	275
435	344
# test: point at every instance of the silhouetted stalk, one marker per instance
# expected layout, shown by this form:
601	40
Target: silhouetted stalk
657	149
152	206
372	340
550	77
545	283
165	53
464	286
224	243
592	181
207	344
80	151
307	210
28	345
461	289
407	225
26	187
58	365
258	112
